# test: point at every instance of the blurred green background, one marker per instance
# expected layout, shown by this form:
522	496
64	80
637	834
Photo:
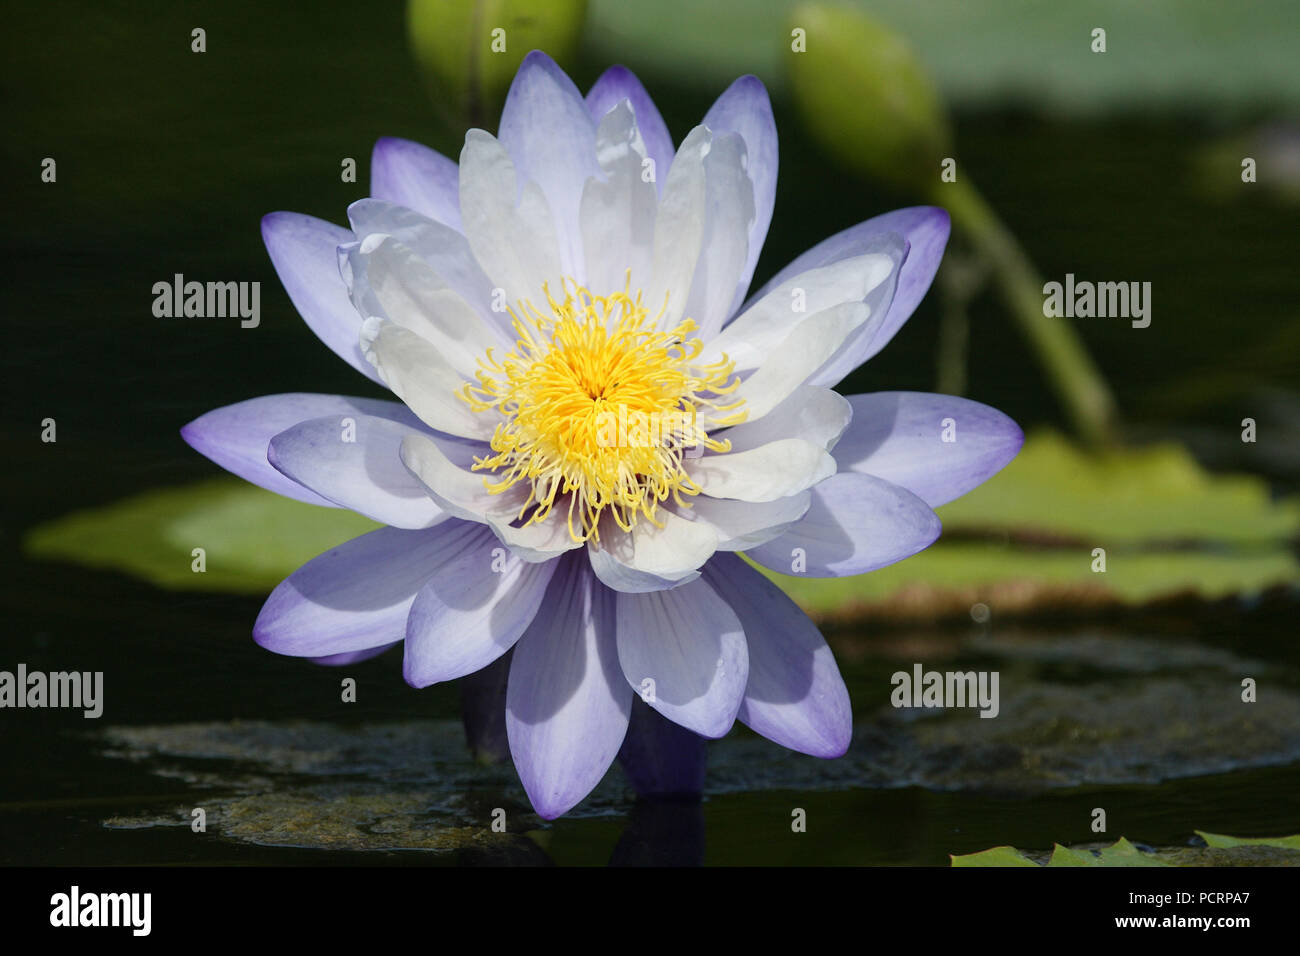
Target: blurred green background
1123	165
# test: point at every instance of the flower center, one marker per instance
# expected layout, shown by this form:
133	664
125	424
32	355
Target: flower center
601	409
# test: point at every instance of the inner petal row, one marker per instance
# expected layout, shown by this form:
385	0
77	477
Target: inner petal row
600	409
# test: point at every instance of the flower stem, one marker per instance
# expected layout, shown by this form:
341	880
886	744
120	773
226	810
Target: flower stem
1079	386
961	278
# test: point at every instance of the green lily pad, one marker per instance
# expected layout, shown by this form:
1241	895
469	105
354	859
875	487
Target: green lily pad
1227	851
1152	494
1027	535
1219	841
953	576
1120	853
997	856
251	539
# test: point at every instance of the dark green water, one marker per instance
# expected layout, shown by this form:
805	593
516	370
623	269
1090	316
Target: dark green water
1144	722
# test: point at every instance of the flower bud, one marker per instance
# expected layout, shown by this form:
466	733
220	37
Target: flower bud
864	95
469	50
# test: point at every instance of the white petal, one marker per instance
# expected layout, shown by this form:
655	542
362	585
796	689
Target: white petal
760	331
741	525
452	485
807	348
618	84
771	471
679	229
688	643
510	229
618	215
744	108
354	461
466	495
724	250
926	230
880	301
651	558
445	250
813	414
388	279
414	368
550	136
542	541
471	612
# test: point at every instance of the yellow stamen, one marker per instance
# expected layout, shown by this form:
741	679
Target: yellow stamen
600	410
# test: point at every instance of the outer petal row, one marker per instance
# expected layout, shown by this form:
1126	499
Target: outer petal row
937	446
926	230
237	436
567	706
855	524
728	645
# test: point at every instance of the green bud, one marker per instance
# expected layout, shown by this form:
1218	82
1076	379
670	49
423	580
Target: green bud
469	50
864	95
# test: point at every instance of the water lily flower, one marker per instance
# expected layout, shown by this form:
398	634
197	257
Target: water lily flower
595	421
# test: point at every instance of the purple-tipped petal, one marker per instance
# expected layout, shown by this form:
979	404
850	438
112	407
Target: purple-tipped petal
900	437
651	558
358	595
741	525
304	251
509	225
352	657
815	414
618	211
879	301
618	83
926	230
237	436
760	333
472	610
567	705
795	695
684	652
679	228
745	108
355	462
416	177
551	138
723	266
662	759
391	280
441	247
856	523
